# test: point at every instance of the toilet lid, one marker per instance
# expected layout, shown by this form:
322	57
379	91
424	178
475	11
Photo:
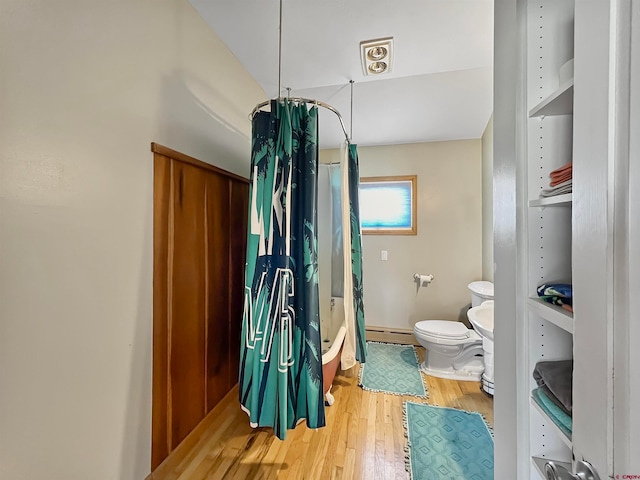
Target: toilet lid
443	329
483	288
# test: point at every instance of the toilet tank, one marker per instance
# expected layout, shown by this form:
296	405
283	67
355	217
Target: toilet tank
480	292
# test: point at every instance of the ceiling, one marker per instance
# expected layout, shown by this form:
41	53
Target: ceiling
440	87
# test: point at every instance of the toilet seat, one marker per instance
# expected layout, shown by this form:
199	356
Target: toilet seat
446	332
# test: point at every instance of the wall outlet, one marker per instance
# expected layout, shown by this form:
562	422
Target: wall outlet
383	255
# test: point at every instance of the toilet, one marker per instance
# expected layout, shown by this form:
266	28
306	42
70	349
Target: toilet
480	292
452	350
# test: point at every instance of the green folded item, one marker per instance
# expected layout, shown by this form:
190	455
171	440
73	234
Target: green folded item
557	416
556	293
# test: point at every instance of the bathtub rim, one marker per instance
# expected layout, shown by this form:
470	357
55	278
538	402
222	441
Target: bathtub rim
336	346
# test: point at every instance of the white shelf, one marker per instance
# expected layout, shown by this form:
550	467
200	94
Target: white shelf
566	440
540	462
549	37
552	313
557	201
559	102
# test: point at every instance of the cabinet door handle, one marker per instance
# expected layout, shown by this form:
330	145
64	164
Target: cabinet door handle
584	471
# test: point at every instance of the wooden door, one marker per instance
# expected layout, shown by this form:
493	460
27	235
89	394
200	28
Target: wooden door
200	216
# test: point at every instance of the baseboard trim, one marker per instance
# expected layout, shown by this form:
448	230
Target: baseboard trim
167	468
390	335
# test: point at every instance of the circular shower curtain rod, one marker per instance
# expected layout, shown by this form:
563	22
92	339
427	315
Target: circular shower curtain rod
305	100
318	103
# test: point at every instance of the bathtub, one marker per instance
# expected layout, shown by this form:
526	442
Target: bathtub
334	330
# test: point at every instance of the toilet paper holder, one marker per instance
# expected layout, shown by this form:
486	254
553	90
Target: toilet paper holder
422	280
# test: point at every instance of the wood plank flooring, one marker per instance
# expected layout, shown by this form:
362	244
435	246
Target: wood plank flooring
364	437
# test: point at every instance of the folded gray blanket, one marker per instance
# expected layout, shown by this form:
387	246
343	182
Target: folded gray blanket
557	376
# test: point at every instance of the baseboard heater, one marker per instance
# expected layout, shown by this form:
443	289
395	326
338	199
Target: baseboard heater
390	335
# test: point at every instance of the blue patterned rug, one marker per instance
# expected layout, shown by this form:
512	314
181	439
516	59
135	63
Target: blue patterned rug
393	369
447	444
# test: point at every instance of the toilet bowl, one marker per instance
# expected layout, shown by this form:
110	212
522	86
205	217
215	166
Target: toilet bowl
452	350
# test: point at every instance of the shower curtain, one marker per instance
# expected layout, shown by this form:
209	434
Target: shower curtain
355	345
280	378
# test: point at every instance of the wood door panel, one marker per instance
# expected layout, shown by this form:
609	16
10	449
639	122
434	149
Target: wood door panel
161	198
186	322
200	215
217	294
239	197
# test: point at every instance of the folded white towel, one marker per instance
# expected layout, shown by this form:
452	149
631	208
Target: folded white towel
560	189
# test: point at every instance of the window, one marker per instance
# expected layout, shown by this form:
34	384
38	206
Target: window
388	205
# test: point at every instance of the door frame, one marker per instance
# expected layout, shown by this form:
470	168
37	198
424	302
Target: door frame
626	331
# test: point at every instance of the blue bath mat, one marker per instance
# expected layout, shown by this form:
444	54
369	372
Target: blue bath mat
446	444
393	369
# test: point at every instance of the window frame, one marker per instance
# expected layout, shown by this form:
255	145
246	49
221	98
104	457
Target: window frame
413	181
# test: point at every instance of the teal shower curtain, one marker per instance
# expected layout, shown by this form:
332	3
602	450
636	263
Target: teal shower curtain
356	254
280	378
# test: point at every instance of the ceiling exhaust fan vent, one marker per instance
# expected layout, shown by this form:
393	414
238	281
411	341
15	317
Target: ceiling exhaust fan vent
376	55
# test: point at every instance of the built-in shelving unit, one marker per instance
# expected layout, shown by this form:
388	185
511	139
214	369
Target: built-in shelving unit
561	435
552	313
556	201
560	102
549	228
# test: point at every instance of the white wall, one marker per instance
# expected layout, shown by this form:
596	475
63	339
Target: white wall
449	240
487	202
85	87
